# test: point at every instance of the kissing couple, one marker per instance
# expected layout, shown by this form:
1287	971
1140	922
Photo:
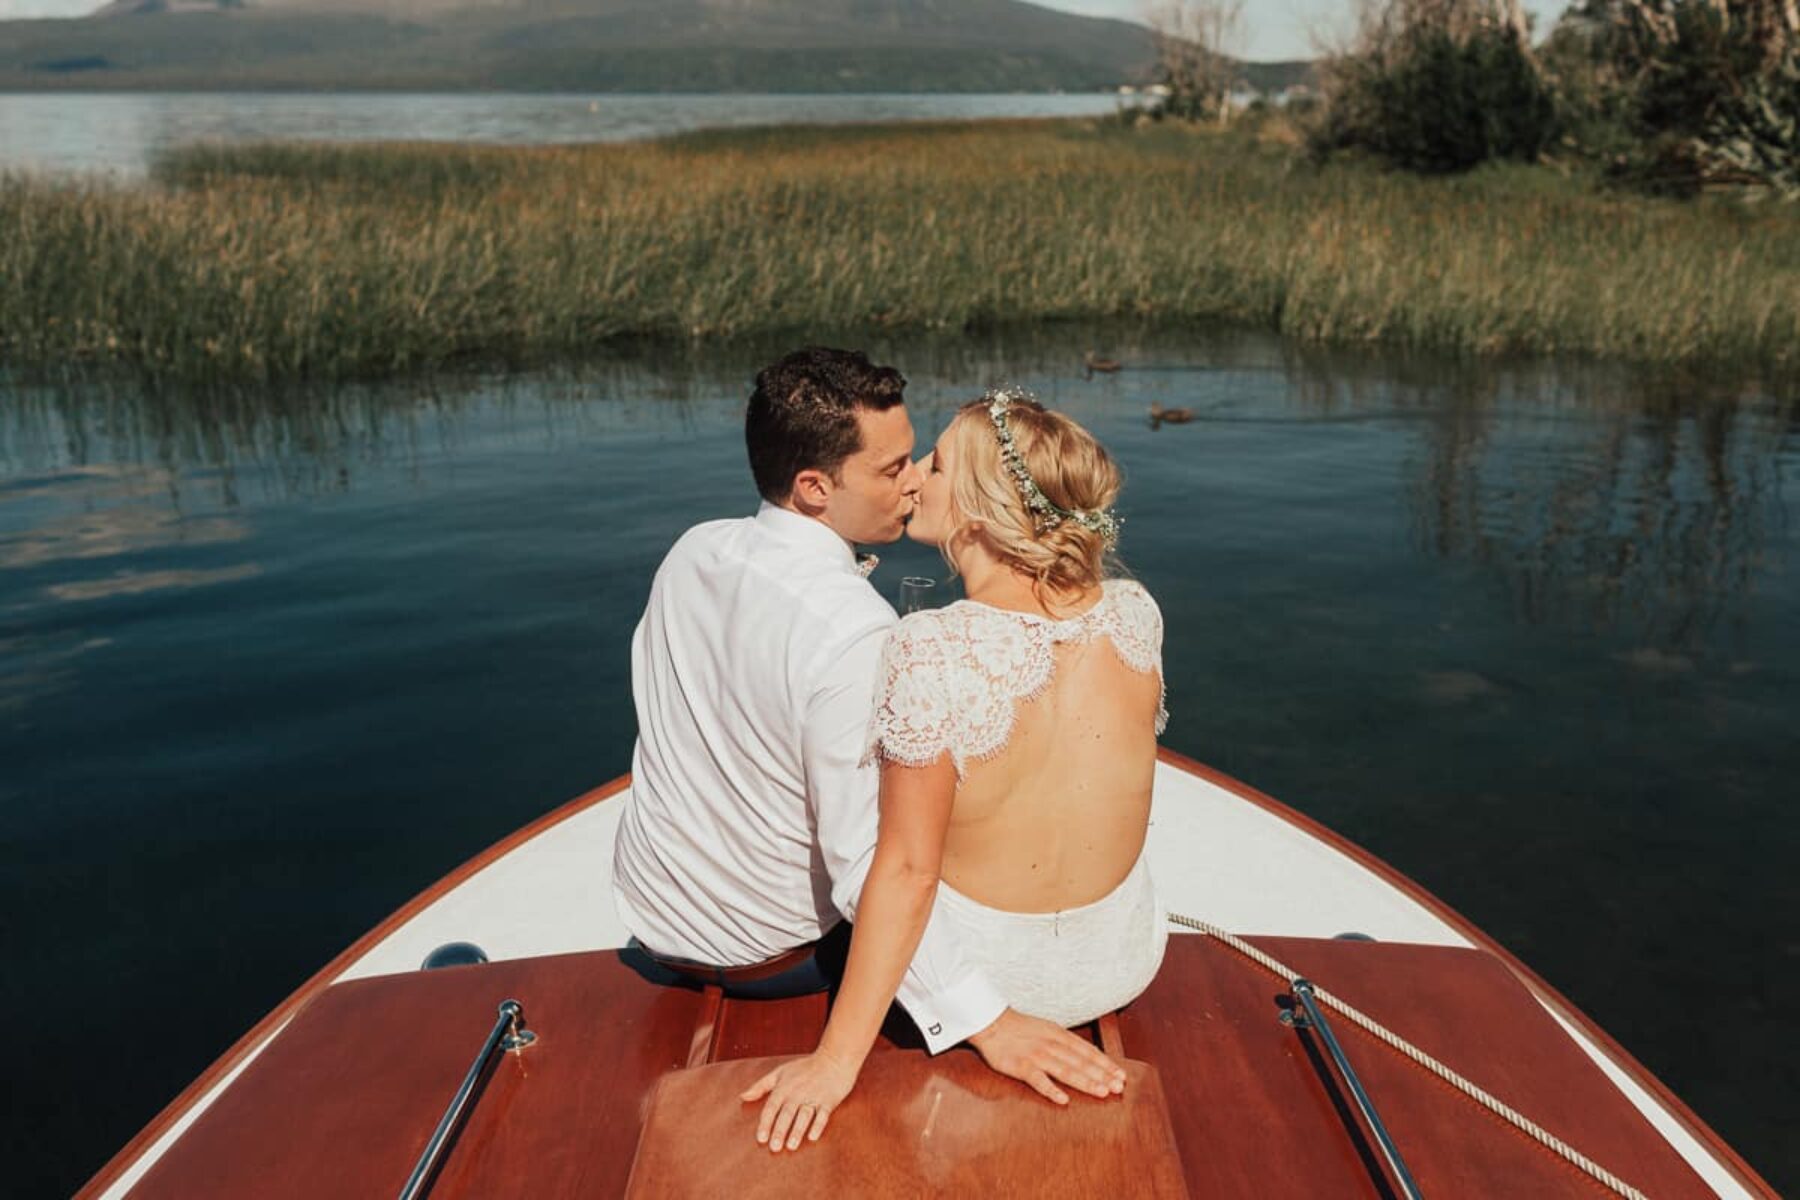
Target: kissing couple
959	797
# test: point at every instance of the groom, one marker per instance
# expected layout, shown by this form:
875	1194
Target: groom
750	824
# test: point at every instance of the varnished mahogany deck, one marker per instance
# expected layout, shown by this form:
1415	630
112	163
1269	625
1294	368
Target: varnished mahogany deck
344	1099
956	1129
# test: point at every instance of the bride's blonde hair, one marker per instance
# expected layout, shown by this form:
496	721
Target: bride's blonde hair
1069	466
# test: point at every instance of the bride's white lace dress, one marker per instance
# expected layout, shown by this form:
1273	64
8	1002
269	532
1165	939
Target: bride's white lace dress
953	679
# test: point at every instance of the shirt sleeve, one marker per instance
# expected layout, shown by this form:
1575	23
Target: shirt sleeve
944	992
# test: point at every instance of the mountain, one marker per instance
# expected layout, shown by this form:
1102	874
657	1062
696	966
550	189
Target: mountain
580	45
574	45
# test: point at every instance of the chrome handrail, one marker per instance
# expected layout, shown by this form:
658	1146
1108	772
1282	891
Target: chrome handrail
508	1034
1314	1018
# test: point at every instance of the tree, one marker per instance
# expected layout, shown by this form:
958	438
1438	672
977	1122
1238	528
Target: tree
1680	93
1196	41
1436	85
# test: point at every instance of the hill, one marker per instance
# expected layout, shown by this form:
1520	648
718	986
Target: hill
579	45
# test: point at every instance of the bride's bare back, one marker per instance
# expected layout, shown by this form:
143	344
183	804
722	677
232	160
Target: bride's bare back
1052	726
1057	818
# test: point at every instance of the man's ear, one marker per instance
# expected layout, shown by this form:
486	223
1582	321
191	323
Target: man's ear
812	490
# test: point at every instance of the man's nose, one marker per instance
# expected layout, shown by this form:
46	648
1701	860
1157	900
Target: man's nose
915	479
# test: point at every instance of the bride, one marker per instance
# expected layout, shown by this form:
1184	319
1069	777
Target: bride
1016	736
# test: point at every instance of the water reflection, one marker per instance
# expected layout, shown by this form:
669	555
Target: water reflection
136	583
38	666
111	531
297	441
1591	495
1596	496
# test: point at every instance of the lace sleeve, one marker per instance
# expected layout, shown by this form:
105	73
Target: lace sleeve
914	721
1135	625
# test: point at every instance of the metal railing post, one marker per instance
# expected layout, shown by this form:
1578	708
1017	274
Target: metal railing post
1314	1019
507	1034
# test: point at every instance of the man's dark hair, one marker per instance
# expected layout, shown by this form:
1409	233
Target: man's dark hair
802	415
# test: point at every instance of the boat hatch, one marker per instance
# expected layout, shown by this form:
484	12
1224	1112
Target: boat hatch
1223	1097
917	1128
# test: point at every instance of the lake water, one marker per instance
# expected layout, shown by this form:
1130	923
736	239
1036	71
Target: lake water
119	133
271	664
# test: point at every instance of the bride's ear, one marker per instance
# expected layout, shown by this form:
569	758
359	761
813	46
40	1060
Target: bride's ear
970	535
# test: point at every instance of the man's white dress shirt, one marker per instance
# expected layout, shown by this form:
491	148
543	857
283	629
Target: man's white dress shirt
750	825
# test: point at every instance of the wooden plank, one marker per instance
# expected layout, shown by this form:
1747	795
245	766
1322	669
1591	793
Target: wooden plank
913	1127
706	1027
1258	1112
1673	1105
343	1101
755	1028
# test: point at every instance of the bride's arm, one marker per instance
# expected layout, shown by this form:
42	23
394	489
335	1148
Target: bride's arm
897	898
896	902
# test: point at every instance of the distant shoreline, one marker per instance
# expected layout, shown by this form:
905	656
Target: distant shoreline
365	89
308	261
122	133
815	47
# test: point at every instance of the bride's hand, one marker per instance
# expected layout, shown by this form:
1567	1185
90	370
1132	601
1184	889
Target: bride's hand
800	1094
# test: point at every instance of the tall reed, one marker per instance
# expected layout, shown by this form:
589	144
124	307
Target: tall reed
329	261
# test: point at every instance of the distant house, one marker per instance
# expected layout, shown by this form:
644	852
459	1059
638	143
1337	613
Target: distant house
1260	84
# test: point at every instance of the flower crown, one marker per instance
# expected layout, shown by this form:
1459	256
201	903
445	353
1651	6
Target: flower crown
1045	511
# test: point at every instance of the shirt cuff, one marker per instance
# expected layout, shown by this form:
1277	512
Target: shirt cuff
956	1013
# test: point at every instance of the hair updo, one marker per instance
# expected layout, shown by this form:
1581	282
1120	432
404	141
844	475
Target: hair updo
1069	466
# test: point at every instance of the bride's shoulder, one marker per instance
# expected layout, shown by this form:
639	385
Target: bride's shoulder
927	644
958	635
1130	595
953	622
1133	610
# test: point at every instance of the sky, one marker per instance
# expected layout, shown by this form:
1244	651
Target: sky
1274	29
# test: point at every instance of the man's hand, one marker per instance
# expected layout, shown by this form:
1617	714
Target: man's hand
1041	1053
802	1095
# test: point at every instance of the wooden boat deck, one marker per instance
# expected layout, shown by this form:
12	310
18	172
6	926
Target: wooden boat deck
343	1102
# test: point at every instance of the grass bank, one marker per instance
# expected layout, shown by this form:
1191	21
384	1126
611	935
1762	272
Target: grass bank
328	262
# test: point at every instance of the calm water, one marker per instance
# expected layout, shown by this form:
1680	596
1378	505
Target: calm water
268	666
119	133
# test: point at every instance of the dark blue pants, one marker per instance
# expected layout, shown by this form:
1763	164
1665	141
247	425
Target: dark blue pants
819	972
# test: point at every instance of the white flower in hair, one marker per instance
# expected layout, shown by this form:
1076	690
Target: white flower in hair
1045	511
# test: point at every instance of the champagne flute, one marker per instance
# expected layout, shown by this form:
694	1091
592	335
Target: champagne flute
916	592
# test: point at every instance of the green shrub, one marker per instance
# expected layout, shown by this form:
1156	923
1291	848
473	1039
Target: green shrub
1682	93
1439	103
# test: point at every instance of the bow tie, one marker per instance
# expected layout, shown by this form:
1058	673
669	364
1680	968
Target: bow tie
866	564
